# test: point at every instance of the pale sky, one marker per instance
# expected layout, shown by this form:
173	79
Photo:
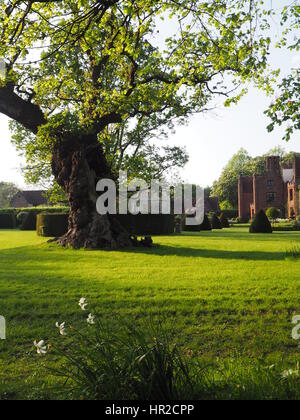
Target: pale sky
210	139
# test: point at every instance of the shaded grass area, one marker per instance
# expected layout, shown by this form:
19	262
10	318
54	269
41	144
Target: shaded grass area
226	294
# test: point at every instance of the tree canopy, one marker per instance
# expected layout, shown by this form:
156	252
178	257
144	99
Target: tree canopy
285	107
87	64
77	67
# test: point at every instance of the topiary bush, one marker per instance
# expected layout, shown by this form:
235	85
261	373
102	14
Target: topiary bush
224	221
261	223
206	226
52	225
273	214
7	221
215	222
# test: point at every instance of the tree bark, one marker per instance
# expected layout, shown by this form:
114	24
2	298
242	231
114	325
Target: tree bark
78	163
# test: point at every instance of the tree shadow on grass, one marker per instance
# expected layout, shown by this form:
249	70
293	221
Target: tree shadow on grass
56	254
163	251
243	236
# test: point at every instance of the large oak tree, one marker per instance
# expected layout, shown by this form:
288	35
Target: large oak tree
74	67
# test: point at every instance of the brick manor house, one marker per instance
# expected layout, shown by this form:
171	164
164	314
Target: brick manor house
278	187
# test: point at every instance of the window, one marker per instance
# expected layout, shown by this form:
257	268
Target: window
270	183
291	195
271	197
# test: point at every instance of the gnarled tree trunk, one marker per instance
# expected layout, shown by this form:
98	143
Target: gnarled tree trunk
77	164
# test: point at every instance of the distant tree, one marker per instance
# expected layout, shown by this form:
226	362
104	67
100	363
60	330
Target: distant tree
226	205
226	187
7	191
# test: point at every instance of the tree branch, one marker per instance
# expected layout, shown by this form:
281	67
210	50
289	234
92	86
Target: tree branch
20	110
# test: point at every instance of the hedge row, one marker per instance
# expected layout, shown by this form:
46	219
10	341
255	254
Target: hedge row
54	225
148	224
7	221
206	226
25	218
37	210
230	214
286	227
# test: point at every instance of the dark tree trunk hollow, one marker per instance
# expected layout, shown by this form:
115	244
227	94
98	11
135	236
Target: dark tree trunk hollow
77	165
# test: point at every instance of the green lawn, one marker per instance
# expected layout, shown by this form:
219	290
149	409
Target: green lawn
226	293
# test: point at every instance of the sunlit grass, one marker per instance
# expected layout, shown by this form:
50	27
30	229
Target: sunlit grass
227	294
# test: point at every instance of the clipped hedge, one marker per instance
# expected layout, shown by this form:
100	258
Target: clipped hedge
7	221
26	217
224	221
205	226
37	210
51	224
54	225
147	224
231	214
215	222
29	221
286	227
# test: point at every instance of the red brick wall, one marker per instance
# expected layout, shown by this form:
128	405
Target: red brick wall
245	196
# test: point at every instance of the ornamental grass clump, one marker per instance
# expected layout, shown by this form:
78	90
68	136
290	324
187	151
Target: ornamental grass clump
118	361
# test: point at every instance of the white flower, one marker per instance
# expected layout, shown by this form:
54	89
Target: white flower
41	348
287	373
91	319
62	328
83	304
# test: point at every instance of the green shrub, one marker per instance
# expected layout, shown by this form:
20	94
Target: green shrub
273	214
52	225
260	223
224	221
226	205
7	221
215	222
29	222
